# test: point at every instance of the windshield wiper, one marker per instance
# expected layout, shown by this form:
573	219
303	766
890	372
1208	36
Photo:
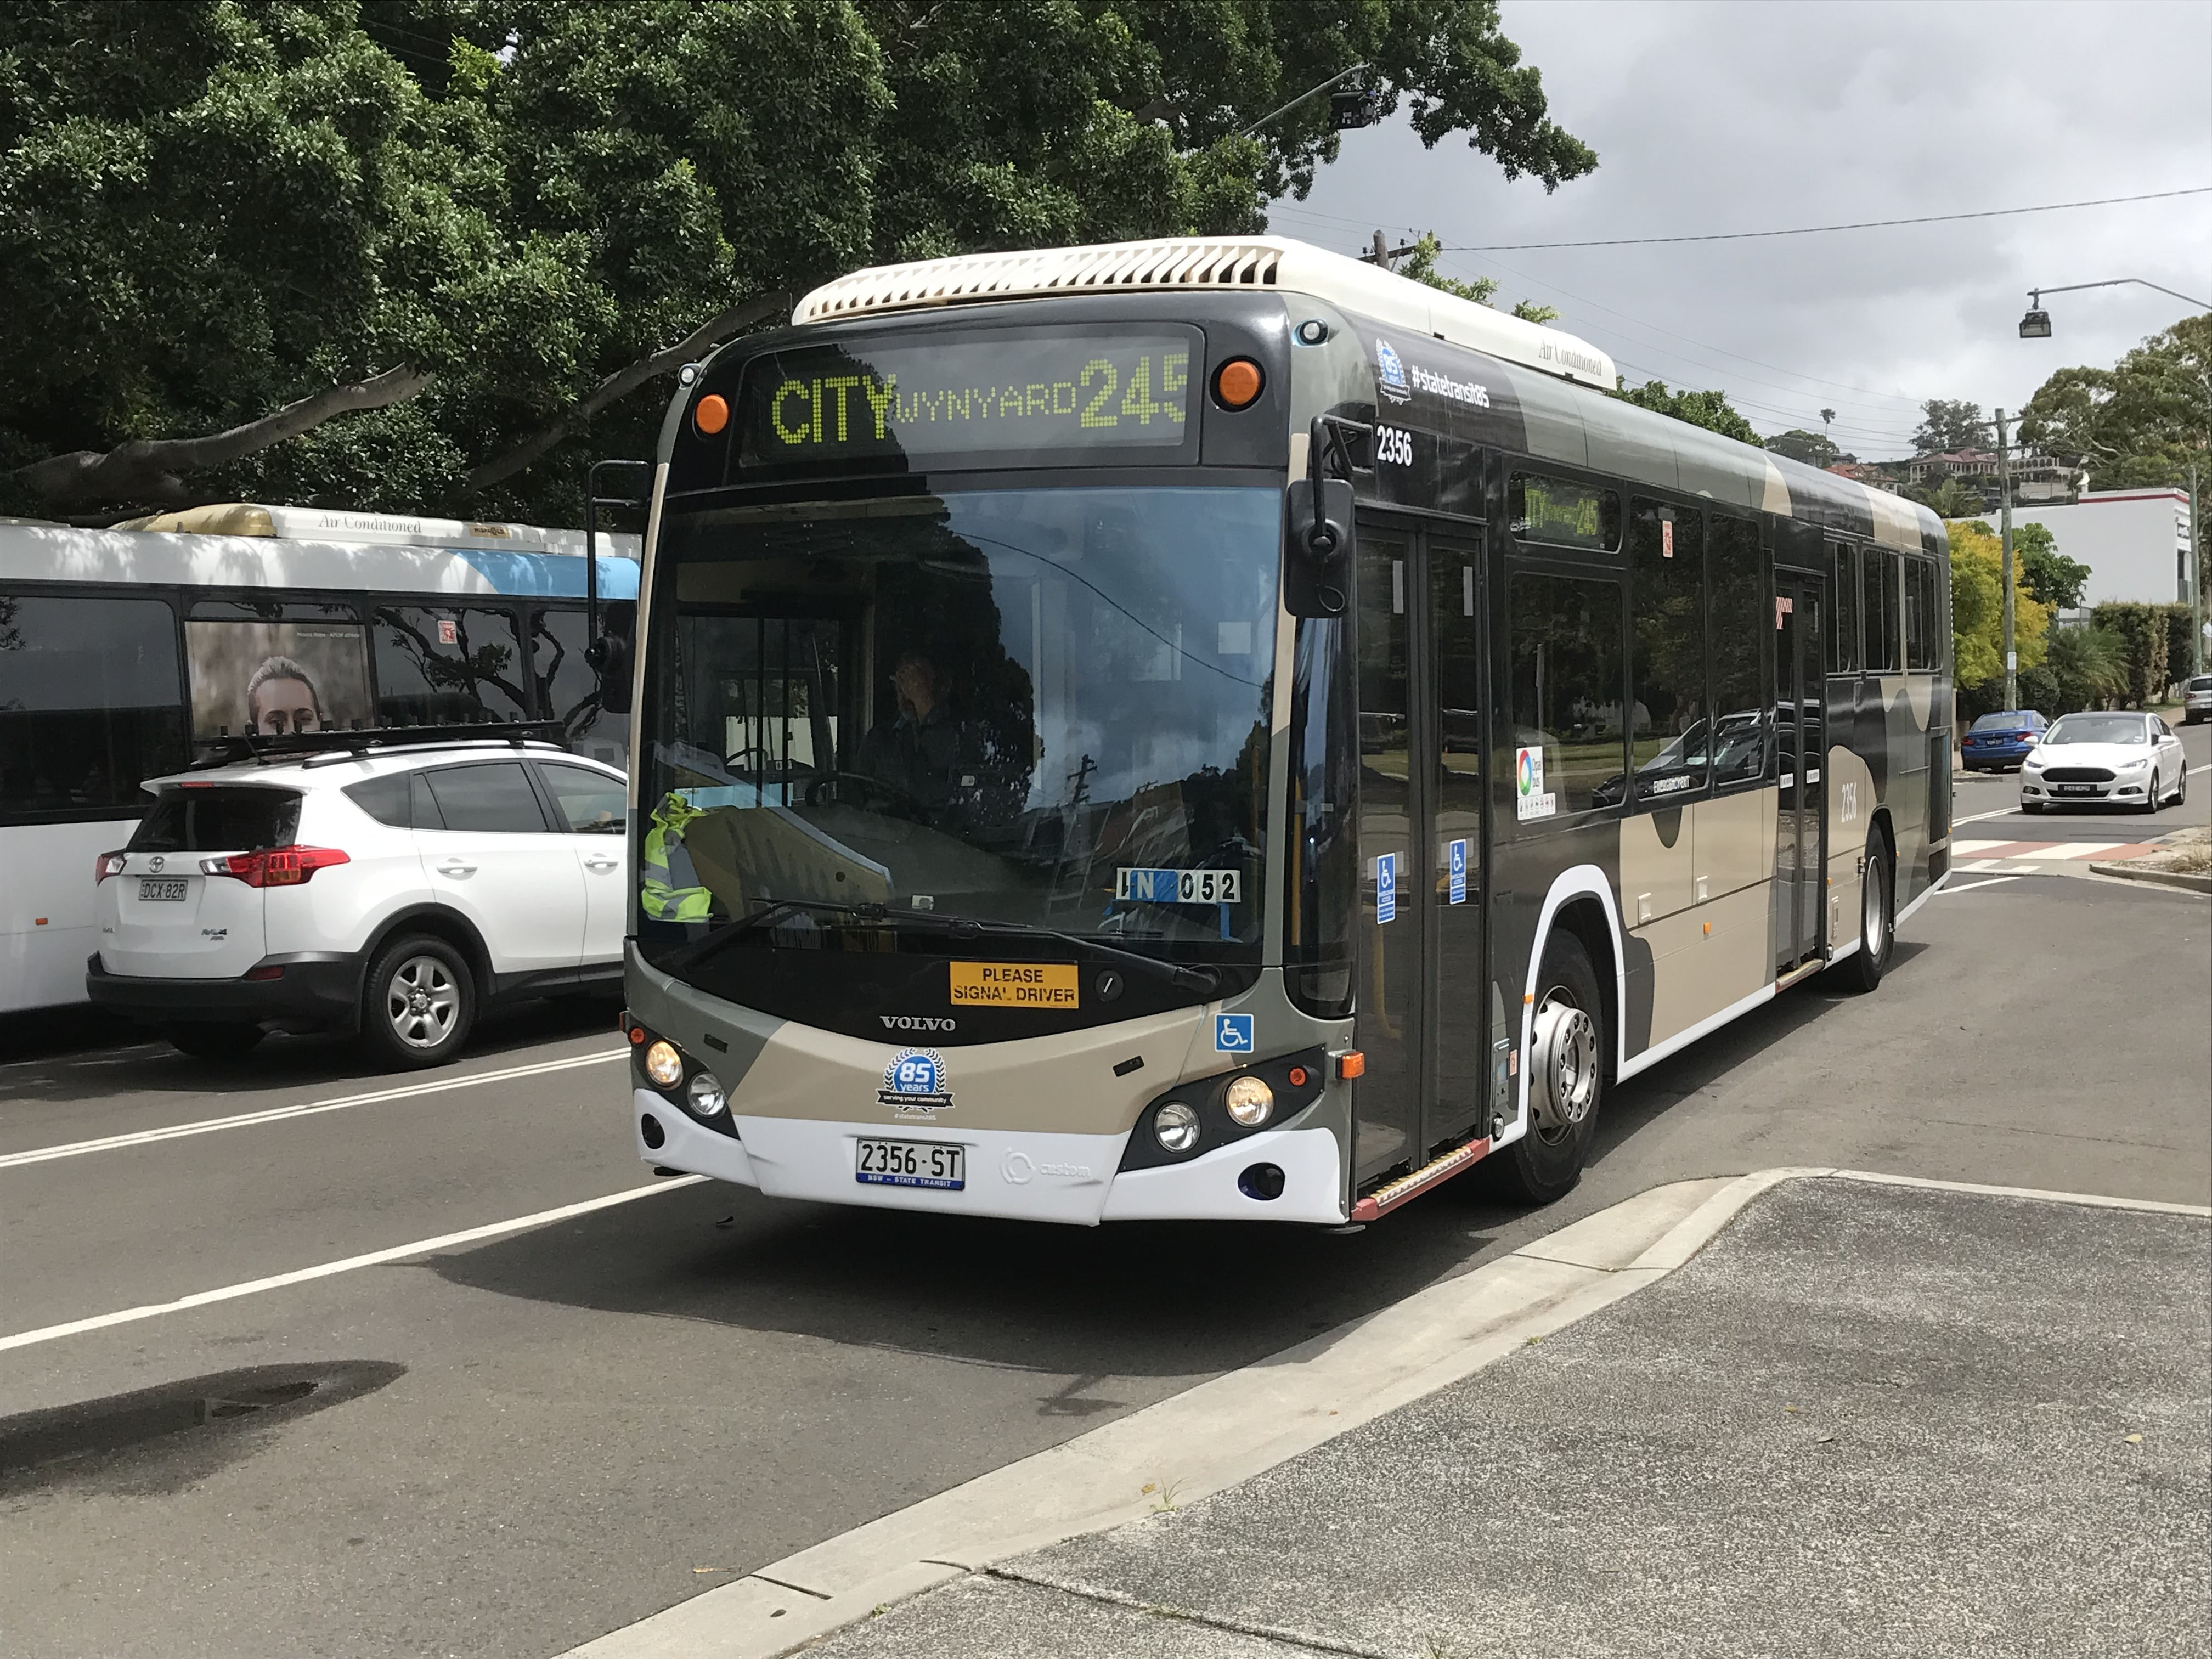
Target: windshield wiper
1182	975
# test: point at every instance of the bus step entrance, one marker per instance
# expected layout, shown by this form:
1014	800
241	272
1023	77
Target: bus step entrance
1388	1197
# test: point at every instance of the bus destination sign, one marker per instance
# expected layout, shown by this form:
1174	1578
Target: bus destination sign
1024	396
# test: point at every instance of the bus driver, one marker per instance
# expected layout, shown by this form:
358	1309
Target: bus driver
916	753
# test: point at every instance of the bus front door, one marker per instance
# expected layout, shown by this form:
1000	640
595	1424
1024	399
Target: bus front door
1419	985
1801	710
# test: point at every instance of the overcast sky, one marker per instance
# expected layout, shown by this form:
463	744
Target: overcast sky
1718	117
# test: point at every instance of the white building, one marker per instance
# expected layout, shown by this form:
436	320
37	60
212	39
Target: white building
2136	543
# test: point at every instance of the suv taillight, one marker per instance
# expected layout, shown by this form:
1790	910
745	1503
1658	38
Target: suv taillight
106	865
278	866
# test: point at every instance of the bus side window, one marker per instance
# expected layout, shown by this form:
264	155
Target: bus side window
1740	621
1878	570
1843	610
1669	735
90	702
1569	738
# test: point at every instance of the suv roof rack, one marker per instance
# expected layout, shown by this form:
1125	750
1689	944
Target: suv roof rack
330	748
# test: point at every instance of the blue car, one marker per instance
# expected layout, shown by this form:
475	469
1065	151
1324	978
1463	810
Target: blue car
1996	741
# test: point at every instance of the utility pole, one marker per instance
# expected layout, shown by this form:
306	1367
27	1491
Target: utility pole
2004	536
2195	578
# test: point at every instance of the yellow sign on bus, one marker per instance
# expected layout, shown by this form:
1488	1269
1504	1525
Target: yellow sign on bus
1014	985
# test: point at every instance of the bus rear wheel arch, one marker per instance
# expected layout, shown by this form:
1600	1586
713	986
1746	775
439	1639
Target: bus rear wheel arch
1862	969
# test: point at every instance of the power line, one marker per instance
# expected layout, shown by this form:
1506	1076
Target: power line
1873	411
1815	230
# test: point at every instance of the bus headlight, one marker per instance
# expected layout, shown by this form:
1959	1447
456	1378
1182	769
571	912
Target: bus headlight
663	1064
1175	1126
705	1094
1249	1101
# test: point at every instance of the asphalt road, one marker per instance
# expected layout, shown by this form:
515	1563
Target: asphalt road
1986	806
525	1440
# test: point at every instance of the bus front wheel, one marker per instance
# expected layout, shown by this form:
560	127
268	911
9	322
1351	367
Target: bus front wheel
1567	1078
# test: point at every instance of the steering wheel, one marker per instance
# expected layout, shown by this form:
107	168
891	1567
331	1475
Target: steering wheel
860	790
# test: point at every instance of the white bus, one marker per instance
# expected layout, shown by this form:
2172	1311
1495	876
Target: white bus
124	651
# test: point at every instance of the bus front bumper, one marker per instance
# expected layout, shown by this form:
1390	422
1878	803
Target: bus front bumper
1017	1174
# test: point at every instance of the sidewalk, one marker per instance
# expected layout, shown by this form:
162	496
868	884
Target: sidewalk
1866	1419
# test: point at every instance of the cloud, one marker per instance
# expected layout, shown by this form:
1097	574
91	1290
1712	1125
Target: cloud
1710	117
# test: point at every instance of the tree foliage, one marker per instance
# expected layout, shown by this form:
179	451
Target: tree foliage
2138	423
500	212
2054	578
1421	266
1710	410
1814	448
1947	426
1978	608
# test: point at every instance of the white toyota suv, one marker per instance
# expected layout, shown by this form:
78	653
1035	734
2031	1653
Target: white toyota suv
392	892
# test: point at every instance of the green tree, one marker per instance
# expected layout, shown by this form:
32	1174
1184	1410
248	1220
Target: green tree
2085	665
1814	448
2053	578
480	229
1710	410
1947	426
1421	266
2140	423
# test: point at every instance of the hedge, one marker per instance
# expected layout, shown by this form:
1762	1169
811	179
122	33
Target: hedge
2142	631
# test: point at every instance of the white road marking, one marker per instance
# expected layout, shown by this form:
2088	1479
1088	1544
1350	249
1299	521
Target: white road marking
2002	813
279	1114
327	1269
1994	881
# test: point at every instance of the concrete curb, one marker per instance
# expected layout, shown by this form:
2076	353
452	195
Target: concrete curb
2187	880
1232	1427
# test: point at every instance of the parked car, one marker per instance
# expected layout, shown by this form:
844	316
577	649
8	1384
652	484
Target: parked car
2197	699
2110	759
393	893
1996	741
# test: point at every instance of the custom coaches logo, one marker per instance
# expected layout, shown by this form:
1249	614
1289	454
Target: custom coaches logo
914	1083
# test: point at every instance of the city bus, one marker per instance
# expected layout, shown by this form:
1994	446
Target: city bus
126	652
1212	729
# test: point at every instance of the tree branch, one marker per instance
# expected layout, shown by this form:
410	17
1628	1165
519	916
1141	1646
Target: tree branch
620	384
147	468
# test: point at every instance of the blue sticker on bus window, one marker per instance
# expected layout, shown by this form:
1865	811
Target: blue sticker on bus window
1232	1034
1386	888
1459	872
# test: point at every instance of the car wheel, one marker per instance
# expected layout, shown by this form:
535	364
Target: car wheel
220	1041
2155	794
1862	969
419	1003
1566	1079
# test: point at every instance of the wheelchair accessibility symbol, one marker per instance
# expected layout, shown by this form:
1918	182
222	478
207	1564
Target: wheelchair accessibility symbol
1232	1034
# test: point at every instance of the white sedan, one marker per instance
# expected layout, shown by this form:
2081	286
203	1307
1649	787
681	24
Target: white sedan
2105	759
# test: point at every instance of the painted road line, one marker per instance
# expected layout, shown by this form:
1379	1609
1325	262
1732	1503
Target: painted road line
1976	886
278	1114
329	1269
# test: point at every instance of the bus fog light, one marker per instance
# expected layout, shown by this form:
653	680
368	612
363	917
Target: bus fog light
1175	1126
1249	1101
664	1065
705	1094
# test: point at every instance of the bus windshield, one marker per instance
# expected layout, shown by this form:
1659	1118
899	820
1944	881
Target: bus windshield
869	723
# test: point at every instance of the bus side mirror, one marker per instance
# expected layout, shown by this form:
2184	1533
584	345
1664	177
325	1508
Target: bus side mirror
611	654
1317	548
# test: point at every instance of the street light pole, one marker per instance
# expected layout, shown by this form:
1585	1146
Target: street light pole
2004	538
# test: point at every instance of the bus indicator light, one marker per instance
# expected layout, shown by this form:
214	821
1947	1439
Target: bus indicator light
1236	383
713	413
1352	1064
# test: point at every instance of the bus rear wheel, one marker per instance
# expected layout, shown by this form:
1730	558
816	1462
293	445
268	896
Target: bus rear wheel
1566	1079
1862	970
